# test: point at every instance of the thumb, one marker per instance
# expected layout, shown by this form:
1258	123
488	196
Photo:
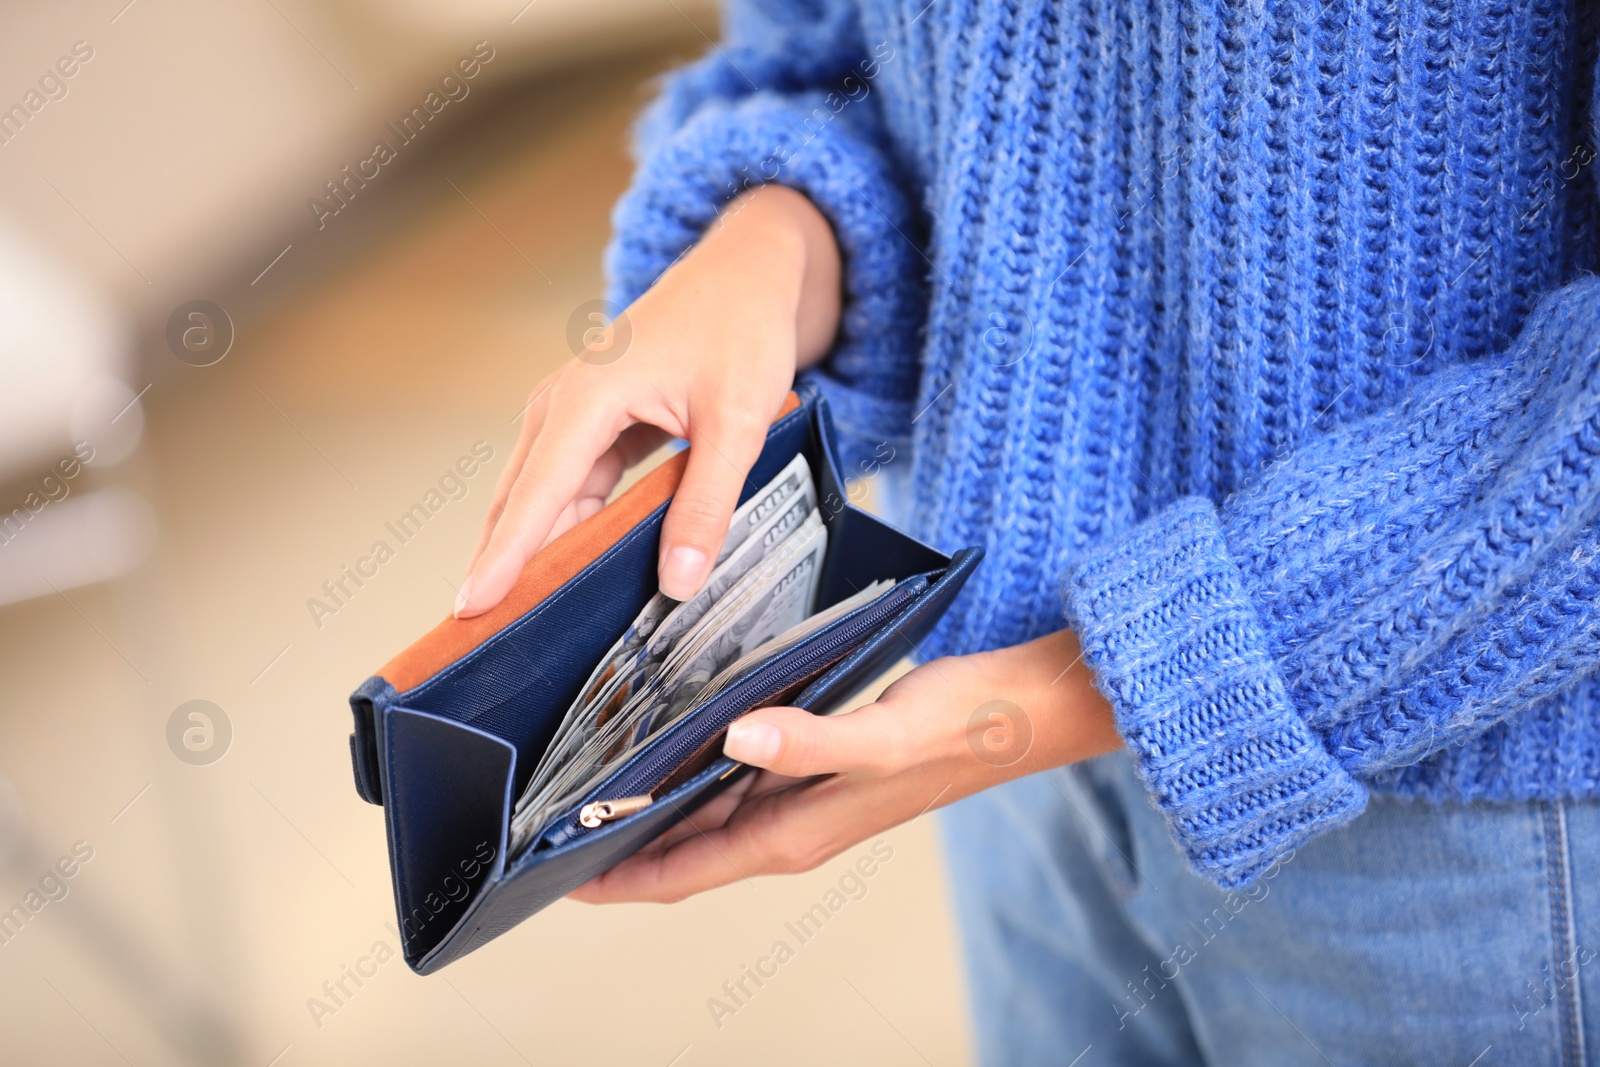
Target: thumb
795	743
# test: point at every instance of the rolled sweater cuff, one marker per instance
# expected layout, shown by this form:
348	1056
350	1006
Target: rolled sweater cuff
1177	648
871	375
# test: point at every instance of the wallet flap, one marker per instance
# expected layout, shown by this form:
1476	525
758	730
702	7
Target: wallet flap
449	797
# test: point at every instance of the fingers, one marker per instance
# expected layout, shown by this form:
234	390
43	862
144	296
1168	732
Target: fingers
722	449
716	811
794	829
872	740
633	445
574	435
744	848
532	421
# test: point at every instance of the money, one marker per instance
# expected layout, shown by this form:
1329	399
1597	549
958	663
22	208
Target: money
780	524
640	667
795	478
755	514
776	597
636	660
688	617
791	637
767	601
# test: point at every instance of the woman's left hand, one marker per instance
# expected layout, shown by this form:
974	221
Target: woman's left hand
944	731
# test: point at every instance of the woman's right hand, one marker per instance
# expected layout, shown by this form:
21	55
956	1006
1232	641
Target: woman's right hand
714	348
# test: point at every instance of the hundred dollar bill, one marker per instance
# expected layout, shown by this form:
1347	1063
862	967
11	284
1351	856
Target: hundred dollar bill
766	610
631	662
782	522
787	640
776	551
752	516
629	679
770	600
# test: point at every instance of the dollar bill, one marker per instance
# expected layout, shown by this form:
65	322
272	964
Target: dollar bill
752	516
635	658
770	600
627	680
737	616
753	513
787	640
779	598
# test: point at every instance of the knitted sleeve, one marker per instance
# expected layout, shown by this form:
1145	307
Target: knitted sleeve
788	97
1390	588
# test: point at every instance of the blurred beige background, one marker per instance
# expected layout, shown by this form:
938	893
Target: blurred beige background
368	355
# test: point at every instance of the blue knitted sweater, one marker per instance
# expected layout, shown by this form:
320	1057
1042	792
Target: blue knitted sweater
1255	340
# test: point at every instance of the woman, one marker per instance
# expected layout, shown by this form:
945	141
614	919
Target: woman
1257	343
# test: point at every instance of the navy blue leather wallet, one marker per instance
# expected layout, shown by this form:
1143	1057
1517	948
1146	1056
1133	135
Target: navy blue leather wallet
447	733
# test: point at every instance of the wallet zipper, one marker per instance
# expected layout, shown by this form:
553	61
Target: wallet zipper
603	811
749	695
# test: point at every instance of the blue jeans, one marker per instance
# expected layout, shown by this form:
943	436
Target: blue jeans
1462	935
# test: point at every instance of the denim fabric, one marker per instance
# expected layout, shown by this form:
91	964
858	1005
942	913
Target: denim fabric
1464	934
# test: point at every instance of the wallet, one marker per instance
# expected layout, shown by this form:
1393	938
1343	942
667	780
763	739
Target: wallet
448	732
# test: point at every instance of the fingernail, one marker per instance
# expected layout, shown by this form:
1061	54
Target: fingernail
752	742
682	572
463	597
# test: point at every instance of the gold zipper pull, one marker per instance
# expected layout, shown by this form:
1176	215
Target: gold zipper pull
603	811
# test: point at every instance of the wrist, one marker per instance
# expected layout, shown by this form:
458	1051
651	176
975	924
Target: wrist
788	225
1048	679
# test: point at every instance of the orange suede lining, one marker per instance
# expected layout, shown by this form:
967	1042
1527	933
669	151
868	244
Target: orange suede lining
559	562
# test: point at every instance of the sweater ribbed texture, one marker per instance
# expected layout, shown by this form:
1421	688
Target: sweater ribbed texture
1256	341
